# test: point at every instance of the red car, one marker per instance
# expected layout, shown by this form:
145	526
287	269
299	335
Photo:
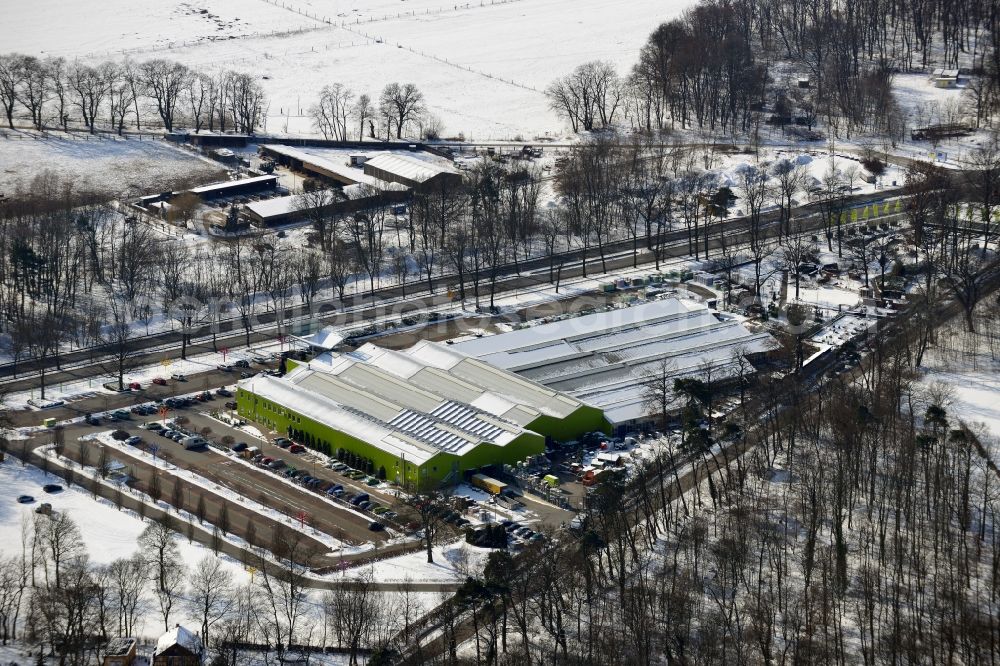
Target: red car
160	381
267	461
296	448
135	386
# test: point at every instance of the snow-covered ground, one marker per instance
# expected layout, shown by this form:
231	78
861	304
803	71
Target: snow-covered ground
108	533
452	562
482	65
114	26
971	374
125	167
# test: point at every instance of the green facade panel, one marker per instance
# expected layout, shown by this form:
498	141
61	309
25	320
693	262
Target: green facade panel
432	473
584	419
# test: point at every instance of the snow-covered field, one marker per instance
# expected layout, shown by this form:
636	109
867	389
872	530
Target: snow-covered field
971	374
112	26
108	533
482	65
122	167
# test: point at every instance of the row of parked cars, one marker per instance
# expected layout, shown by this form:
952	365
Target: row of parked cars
174	432
519	533
302	477
353	474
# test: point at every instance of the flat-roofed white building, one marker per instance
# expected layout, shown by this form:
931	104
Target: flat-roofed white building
605	359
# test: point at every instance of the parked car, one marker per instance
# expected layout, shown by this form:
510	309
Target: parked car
359	498
391	515
239	446
52	488
135	386
231	405
246	374
277	463
283	442
120	415
296	448
259	360
93	420
376	526
257	458
134	440
25	499
155	426
224	392
241	363
159	381
194	442
224	367
178	377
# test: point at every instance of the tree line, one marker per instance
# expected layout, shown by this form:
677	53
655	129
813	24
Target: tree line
54	92
399	110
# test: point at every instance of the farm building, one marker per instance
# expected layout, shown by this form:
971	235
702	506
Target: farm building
235	188
327	165
420	417
294	208
604	359
409	171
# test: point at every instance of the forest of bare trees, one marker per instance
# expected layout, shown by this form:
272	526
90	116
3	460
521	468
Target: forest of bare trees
54	598
857	527
716	66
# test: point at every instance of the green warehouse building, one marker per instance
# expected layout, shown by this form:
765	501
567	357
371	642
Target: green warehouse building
419	417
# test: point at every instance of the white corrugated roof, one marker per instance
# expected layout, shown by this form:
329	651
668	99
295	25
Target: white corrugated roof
332	162
277	206
348	394
603	359
407	167
327	411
